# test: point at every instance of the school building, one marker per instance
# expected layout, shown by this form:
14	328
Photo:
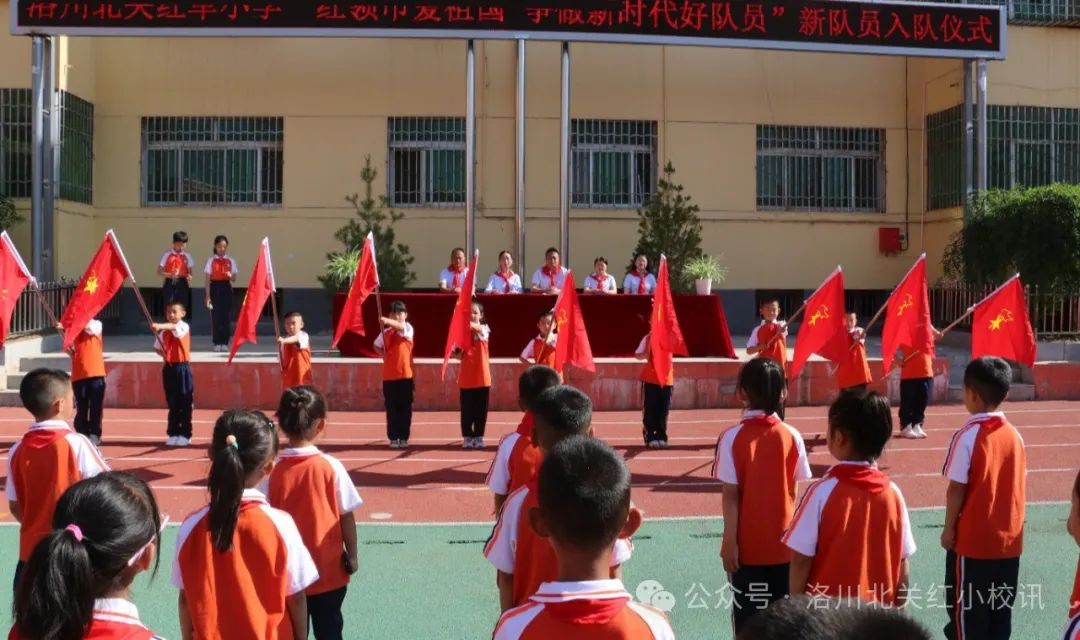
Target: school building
798	160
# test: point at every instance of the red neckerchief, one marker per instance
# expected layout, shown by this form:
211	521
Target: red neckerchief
586	611
506	278
552	274
868	479
457	273
526	426
641	283
599	282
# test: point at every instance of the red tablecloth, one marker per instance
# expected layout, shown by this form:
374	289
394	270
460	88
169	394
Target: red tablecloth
615	324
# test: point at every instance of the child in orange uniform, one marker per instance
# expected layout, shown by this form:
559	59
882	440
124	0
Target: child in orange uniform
315	489
523	559
656	397
984	509
518	458
583	507
474	381
916	386
88	380
176	266
395	345
295	352
760	461
240	564
1072	525
853	374
541	349
850	536
106	530
769	339
174	344
47	460
220	271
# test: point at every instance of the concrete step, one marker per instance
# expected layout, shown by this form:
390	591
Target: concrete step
58	361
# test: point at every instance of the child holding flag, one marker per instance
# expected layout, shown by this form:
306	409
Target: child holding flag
474	380
541	349
656	396
173	342
853	371
88	380
395	345
295	352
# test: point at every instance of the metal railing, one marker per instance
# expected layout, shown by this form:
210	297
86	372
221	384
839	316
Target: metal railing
29	317
1054	315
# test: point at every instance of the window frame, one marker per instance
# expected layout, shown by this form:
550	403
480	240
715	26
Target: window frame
263	194
637	195
425	148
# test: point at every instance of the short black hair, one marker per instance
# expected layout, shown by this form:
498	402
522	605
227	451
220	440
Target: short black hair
175	303
292	314
534	380
560	412
763	381
42	387
769	300
865	418
584	493
546	313
300	410
504	252
217	239
397	306
800	618
599	259
180	236
456	249
551	250
989	378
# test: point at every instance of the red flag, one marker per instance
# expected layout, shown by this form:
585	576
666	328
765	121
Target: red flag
823	319
907	316
572	343
460	334
364	282
14	276
1001	327
99	283
665	336
258	292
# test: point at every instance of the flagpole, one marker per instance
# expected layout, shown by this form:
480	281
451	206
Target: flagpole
273	301
972	308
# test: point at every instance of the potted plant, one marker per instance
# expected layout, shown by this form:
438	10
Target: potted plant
704	270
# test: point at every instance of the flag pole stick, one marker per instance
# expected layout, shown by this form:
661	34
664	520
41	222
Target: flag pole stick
798	312
958	320
273	302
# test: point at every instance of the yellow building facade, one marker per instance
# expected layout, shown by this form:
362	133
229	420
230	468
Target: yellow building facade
337	100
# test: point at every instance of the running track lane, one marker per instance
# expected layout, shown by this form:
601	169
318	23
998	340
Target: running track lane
436	481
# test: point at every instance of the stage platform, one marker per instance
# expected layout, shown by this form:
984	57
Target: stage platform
355	384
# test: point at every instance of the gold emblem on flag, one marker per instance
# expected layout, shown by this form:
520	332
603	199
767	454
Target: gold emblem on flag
822	313
91	285
1003	317
561	319
905	305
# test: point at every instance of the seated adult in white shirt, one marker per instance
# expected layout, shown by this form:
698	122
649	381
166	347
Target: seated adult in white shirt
504	280
550	277
600	281
639	281
452	277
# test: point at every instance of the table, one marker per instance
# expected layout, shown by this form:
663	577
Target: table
615	323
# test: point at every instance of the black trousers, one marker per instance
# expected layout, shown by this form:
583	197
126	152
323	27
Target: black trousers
324	611
474	411
179	396
177	291
979	597
221	297
755	587
398	396
655	408
89	402
914	396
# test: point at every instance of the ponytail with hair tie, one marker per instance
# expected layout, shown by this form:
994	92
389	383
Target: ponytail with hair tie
241	444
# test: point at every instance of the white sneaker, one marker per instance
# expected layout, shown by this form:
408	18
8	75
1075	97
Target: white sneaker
919	433
478	443
654	444
404	444
466	443
171	442
181	441
663	444
395	444
908	432
94	440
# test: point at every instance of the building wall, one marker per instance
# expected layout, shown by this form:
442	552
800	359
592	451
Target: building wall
336	94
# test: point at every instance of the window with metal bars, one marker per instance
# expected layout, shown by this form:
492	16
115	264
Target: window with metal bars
212	162
612	163
1032	146
820	168
76	149
426	161
15	143
945	158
